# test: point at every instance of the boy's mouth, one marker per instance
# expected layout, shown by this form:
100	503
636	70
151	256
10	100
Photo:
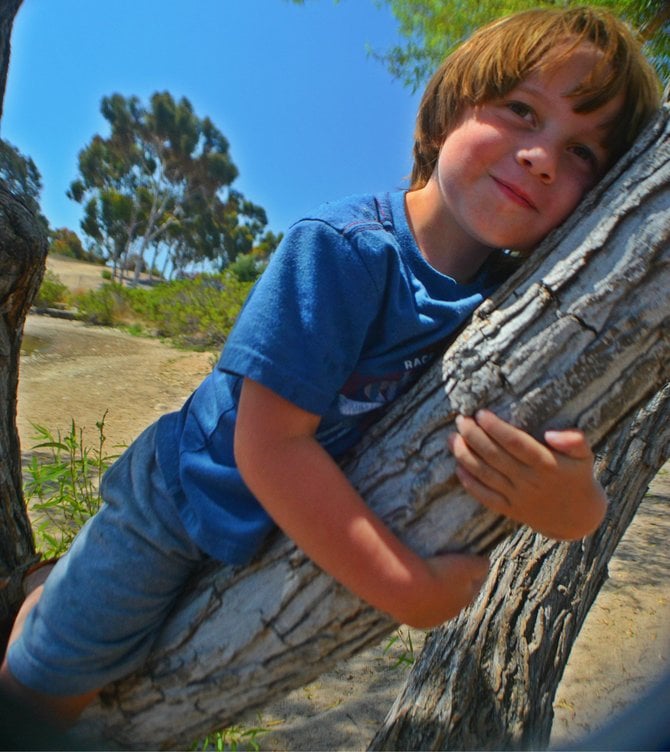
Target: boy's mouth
515	193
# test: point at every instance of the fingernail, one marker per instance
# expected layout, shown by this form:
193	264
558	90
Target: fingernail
459	421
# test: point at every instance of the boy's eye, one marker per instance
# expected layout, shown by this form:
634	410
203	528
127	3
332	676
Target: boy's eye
584	153
520	108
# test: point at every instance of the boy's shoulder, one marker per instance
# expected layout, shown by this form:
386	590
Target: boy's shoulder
354	214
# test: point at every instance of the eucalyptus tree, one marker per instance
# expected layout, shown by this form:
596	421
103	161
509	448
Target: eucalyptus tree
158	179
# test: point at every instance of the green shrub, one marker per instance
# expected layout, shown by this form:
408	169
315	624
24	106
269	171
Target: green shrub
245	267
107	306
106	274
52	292
196	313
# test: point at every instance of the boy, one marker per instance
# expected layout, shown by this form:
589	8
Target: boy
514	128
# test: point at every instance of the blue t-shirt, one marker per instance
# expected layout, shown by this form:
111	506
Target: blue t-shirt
344	320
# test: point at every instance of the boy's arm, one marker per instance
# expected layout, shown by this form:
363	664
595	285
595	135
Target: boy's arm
311	500
549	487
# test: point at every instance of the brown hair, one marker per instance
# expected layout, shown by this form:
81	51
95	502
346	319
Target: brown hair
505	52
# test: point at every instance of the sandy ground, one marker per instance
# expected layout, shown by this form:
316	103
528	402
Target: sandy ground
75	371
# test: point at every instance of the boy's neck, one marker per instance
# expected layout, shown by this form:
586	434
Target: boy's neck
441	242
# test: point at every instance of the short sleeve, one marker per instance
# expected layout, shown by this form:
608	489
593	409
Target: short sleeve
303	327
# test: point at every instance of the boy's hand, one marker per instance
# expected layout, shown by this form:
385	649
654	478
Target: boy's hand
550	488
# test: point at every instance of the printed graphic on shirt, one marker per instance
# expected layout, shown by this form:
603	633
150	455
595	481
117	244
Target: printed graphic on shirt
365	395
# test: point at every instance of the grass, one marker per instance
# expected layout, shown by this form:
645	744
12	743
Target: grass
402	639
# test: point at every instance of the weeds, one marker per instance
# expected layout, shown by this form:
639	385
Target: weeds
233	738
63	488
401	639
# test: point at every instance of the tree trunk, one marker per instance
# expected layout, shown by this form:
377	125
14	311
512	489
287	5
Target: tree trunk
23	248
487	680
8	11
579	337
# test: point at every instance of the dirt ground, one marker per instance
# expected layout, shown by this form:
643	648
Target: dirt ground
70	370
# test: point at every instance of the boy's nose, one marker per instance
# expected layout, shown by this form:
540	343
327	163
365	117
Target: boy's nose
538	160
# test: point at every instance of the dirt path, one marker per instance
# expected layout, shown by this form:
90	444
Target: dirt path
79	371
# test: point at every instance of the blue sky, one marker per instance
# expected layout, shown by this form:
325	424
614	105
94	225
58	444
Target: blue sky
310	116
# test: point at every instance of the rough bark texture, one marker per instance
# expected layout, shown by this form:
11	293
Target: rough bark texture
579	338
487	680
8	11
23	248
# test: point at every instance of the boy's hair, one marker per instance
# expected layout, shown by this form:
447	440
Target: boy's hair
503	53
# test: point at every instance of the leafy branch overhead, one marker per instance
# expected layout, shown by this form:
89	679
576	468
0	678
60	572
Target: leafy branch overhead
162	181
432	28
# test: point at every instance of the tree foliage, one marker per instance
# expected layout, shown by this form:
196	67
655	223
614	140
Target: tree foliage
66	242
161	181
20	176
432	28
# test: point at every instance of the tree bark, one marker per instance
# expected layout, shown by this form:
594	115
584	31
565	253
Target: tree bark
579	337
23	248
8	11
487	680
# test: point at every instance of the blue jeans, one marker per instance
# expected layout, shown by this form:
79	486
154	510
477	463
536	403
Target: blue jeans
104	601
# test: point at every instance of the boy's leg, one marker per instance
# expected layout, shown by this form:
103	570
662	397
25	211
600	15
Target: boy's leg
60	711
102	605
57	710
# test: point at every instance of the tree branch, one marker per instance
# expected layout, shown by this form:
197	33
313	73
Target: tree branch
579	337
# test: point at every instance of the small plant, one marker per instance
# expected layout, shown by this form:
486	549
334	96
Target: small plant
233	738
401	639
63	489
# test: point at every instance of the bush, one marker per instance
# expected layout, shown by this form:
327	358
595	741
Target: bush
107	306
196	313
52	292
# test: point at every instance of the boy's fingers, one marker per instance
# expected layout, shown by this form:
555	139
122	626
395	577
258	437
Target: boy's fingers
571	442
480	462
515	442
484	494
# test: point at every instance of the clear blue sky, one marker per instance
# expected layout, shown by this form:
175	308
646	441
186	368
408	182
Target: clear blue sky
310	116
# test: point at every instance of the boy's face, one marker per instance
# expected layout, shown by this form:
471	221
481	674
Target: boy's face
513	169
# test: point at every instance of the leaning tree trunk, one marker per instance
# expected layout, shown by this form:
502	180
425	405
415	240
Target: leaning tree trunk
578	338
487	680
23	248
